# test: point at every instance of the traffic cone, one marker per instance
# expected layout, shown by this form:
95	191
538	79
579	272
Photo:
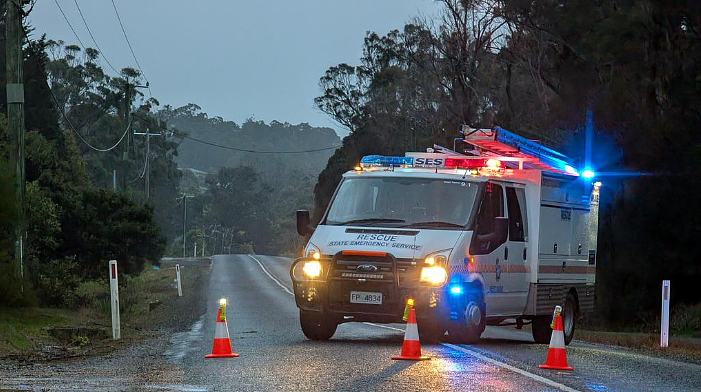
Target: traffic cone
411	348
222	344
557	354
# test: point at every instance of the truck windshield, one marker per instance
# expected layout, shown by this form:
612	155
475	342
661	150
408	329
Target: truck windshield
403	202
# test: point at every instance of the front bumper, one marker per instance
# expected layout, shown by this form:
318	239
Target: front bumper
330	294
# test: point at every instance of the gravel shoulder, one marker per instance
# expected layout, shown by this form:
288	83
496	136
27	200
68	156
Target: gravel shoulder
145	335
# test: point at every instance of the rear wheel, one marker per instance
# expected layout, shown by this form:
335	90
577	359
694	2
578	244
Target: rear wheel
540	327
541	324
569	317
316	326
468	328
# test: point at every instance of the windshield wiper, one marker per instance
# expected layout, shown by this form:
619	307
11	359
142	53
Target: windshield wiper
371	220
435	223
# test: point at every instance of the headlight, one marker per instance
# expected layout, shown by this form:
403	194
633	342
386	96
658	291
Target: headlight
435	275
436	260
312	252
312	269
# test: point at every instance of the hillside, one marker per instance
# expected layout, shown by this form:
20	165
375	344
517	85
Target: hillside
251	135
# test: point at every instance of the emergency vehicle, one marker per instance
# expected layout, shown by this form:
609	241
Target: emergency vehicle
499	235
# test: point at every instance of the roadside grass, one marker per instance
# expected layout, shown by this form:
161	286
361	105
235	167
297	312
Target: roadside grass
48	333
684	340
22	328
683	348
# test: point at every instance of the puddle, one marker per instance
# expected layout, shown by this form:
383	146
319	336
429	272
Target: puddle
184	343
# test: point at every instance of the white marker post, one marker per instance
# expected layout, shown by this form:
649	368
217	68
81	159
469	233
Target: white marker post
664	329
114	291
177	278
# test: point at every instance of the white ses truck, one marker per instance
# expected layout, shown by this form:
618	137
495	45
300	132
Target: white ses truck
499	237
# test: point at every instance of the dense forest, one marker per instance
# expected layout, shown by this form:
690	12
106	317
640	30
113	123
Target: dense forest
541	68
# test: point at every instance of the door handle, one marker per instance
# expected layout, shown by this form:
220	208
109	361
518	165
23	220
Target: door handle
506	253
524	254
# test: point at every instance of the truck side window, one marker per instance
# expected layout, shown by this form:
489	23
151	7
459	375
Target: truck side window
516	228
492	206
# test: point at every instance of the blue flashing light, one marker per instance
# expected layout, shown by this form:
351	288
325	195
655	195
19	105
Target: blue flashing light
588	173
570	170
383	160
455	290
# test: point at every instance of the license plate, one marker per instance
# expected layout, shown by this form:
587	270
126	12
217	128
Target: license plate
364	297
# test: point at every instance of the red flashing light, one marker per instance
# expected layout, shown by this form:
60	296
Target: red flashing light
472	163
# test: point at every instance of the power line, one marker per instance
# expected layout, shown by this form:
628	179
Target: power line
129	44
69	24
93	38
65	117
255	151
183	136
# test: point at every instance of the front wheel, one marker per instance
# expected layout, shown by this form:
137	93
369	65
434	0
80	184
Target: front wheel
431	331
316	326
468	328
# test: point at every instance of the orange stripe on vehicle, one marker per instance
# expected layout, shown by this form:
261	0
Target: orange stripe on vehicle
557	269
363	253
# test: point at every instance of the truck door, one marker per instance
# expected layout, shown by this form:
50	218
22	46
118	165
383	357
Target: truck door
488	254
517	277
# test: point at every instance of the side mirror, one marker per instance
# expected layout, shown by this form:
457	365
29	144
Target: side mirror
501	229
303	223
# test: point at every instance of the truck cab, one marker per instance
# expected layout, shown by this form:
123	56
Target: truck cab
498	237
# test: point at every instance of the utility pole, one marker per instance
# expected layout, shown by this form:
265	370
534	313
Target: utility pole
148	157
15	115
185	197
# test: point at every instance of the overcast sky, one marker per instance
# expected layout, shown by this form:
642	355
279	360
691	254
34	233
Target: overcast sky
234	58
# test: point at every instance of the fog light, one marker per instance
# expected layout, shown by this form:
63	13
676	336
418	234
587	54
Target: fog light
312	269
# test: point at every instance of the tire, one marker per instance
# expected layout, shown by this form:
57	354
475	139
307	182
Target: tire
569	317
431	331
315	326
463	332
540	327
541	324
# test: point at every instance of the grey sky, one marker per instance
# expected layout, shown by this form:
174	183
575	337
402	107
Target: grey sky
234	58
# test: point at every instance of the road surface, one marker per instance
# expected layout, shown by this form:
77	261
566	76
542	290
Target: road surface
275	355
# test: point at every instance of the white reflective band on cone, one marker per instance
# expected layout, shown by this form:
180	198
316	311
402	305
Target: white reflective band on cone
557	340
221	331
412	332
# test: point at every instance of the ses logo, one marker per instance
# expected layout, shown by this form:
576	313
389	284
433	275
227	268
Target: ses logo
429	162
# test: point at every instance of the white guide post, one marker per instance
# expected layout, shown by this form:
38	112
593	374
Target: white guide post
664	329
114	292
177	278
195	252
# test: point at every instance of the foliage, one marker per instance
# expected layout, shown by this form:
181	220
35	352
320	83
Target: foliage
538	67
73	228
251	135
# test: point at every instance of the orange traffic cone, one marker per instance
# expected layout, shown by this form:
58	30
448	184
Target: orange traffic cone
557	355
411	348
222	344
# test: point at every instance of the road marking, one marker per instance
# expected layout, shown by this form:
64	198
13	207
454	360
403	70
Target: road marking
465	350
503	365
271	276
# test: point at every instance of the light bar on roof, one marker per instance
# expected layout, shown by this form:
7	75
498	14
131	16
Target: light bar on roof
383	160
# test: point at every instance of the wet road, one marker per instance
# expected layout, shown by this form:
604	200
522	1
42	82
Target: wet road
275	355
